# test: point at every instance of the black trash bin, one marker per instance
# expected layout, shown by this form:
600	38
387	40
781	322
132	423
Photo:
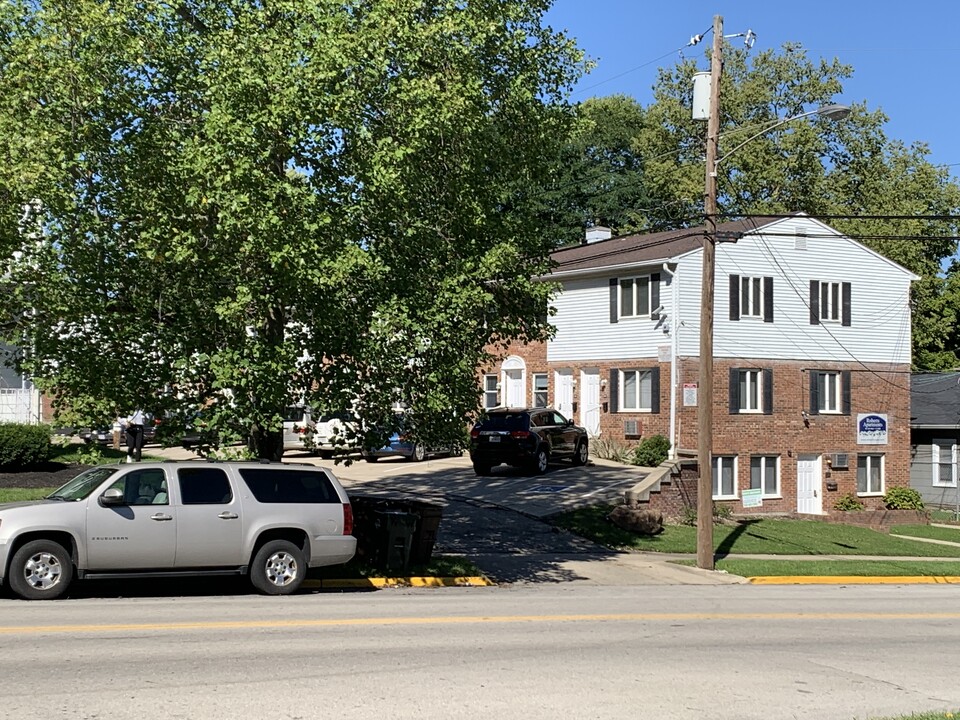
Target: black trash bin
369	527
395	530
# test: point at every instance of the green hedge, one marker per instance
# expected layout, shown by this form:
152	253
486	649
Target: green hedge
23	445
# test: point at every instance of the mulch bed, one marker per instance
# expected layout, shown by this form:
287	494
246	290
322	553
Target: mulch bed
51	474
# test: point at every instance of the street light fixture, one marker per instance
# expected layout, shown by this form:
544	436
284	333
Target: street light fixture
705	390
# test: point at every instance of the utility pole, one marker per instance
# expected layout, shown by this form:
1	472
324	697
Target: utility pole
705	391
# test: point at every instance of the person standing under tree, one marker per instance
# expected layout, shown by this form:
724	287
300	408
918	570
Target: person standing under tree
134	433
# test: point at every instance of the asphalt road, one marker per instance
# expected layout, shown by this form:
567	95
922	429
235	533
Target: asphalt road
532	651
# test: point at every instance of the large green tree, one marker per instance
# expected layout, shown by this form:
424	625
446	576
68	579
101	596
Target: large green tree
238	205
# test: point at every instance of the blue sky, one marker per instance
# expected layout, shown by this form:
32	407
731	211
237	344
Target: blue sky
905	55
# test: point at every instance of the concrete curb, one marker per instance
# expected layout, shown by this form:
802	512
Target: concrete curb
855	580
379	583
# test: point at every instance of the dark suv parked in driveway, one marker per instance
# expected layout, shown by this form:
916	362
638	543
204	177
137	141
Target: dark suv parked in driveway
526	437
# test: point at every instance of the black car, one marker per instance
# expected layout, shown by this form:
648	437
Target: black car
526	437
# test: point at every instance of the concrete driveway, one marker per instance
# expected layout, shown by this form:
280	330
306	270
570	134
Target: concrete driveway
498	521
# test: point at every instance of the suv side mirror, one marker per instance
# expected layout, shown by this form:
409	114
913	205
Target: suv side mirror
112	496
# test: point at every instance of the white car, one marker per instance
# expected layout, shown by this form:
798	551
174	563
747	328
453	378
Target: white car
331	434
298	428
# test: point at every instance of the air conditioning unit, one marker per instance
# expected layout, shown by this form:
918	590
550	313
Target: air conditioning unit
840	461
631	428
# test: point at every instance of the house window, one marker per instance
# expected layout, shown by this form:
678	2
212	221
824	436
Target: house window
751	300
539	389
491	395
944	462
870	474
636	390
830	301
724	477
828	392
765	474
749	390
634	297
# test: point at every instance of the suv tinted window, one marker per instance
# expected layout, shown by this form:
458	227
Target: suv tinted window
505	421
294	414
204	486
271	485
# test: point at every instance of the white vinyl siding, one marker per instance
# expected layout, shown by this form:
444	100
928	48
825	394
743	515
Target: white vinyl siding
870	474
724	477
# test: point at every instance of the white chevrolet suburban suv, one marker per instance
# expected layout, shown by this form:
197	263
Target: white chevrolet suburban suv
268	520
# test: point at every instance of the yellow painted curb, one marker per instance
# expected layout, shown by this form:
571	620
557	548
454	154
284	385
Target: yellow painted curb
854	579
399	582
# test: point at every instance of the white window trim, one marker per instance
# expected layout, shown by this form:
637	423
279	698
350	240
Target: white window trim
715	460
763	492
837	394
826	293
545	389
883	474
636	315
757	376
752	298
495	390
935	462
622	405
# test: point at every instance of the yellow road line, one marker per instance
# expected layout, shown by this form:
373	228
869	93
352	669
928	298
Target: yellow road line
855	580
465	620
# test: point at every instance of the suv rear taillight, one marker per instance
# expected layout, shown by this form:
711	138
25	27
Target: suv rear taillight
347	519
520	434
474	433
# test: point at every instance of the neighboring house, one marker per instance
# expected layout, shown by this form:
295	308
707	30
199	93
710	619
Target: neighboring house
811	357
934	436
20	401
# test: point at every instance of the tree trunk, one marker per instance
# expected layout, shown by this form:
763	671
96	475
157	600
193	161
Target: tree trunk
267	445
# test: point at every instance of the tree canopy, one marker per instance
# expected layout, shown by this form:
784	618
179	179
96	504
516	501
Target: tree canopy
235	206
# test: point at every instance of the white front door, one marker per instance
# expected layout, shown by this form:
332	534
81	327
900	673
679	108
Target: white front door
563	393
515	394
809	490
590	400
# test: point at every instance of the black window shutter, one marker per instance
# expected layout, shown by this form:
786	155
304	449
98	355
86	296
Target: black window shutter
614	389
814	392
845	391
655	390
734	297
767	391
614	306
814	302
768	299
734	391
654	295
845	293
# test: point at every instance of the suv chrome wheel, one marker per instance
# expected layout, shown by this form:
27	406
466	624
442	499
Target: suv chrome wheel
278	568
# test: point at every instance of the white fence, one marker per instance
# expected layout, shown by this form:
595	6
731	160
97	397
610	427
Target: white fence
19	405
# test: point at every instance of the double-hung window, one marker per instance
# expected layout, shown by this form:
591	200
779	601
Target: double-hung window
765	474
830	302
724	477
750	384
636	390
751	390
751	297
540	390
870	474
828	390
944	463
634	297
491	394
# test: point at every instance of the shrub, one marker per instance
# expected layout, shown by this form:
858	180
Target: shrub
901	498
612	449
721	514
652	451
848	503
23	445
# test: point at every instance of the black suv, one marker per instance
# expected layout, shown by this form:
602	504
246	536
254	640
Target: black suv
526	437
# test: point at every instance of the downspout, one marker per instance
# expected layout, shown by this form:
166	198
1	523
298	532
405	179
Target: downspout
674	370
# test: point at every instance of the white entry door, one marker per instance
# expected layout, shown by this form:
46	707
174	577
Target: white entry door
809	490
563	392
513	383
590	400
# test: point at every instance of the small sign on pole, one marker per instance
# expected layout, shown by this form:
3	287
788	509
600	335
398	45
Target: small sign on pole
689	394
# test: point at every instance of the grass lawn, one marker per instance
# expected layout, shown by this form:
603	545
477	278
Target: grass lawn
761	568
766	536
926	531
945	715
18	494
